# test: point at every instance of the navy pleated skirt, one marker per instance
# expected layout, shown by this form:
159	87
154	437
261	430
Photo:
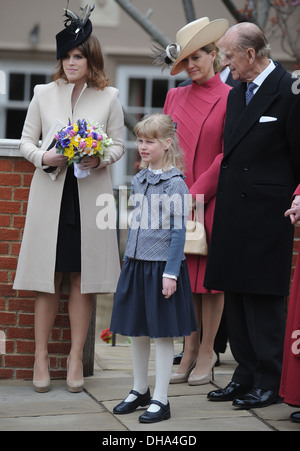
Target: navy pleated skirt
140	308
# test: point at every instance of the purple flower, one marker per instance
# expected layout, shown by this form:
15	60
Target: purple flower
65	142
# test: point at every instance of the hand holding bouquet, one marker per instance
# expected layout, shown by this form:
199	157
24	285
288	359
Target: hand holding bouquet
81	140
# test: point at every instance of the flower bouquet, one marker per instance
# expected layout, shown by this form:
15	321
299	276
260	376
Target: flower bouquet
80	140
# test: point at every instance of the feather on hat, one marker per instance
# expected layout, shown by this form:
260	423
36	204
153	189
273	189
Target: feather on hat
189	39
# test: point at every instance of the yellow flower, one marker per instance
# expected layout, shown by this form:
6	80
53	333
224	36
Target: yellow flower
89	141
69	152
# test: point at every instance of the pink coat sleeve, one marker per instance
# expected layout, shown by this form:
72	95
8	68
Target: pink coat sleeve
297	192
208	181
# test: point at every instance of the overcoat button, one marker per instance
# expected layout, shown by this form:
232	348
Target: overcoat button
244	195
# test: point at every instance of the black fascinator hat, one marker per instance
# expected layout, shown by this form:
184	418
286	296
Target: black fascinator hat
77	30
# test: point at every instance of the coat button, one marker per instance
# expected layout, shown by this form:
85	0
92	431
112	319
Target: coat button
244	195
224	164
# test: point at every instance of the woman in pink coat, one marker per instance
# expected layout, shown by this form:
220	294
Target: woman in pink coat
199	111
290	379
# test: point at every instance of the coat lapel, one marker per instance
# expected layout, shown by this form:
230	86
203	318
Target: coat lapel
65	100
241	119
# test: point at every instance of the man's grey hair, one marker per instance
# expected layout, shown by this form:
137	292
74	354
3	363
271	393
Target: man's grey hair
249	35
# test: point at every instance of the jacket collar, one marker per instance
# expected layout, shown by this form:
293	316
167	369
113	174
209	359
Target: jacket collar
153	179
66	96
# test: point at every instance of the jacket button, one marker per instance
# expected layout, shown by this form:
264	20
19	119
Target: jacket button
224	164
244	195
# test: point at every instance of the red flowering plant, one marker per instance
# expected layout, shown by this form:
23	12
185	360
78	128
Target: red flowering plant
106	336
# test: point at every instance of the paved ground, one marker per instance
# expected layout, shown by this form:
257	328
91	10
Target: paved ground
21	409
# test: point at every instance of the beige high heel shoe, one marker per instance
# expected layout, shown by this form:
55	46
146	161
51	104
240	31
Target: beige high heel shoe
181	378
74	386
206	378
41	386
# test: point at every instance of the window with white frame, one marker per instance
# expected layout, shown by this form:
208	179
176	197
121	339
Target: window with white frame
143	90
20	81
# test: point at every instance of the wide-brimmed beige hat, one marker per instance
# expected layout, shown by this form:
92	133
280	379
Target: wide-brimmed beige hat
193	37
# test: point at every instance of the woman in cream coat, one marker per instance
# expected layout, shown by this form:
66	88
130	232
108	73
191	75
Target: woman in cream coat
80	92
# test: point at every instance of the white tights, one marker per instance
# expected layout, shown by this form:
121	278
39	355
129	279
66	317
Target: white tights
164	354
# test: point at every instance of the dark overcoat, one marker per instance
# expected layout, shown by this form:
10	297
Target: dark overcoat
251	243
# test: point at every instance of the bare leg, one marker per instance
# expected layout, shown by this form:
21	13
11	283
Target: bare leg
192	342
212	309
208	313
80	309
46	308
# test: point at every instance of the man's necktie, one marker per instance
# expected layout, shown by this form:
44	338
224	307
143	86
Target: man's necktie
249	92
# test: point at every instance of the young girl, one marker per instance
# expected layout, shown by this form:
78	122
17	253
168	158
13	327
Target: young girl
154	298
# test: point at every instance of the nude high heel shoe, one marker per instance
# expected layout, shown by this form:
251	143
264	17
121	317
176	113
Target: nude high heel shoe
41	386
74	386
181	378
206	378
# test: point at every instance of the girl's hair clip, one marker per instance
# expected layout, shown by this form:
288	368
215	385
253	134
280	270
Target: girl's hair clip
175	126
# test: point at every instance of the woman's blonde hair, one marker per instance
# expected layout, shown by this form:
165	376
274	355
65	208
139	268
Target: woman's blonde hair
161	127
91	50
218	60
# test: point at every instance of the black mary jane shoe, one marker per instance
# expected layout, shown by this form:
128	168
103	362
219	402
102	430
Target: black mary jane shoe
295	417
164	413
129	407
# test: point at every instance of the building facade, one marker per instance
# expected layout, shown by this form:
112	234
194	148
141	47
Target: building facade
27	56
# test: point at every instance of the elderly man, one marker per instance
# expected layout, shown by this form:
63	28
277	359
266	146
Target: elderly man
251	246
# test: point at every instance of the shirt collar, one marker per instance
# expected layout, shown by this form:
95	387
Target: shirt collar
261	77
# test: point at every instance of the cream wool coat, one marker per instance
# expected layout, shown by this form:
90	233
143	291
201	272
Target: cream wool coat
99	248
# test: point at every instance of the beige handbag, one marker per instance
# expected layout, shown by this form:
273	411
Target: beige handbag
195	241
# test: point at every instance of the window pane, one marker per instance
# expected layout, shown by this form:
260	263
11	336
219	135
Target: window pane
137	89
134	119
133	161
159	92
16	86
36	79
14	123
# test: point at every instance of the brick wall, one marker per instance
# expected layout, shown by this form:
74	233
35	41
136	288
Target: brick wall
17	308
